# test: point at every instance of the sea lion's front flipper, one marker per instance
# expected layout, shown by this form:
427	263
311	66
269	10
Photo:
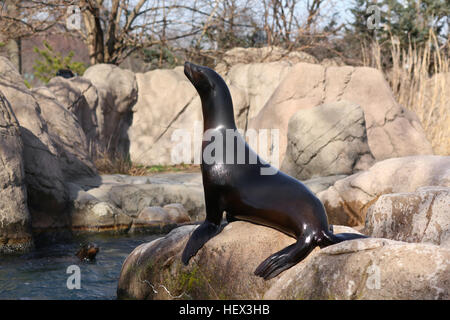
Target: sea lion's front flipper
201	235
230	218
284	259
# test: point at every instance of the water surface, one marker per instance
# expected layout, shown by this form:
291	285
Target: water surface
42	274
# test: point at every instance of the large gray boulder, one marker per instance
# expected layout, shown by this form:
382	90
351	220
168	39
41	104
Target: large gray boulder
421	216
392	131
257	81
79	96
67	135
348	200
166	102
327	140
117	93
358	269
15	221
44	177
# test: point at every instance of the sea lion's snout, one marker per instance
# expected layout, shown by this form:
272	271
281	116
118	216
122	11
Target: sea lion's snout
188	70
198	76
87	251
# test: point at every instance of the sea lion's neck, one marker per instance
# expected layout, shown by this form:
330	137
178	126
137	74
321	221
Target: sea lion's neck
217	110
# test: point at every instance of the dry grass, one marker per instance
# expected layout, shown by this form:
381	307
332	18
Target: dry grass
121	165
107	165
427	96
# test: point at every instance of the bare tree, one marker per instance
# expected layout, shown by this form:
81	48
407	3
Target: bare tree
200	29
21	19
115	29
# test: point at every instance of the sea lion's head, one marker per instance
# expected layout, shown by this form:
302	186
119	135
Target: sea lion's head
87	251
201	77
214	93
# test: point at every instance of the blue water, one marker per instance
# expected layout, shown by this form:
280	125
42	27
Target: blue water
42	274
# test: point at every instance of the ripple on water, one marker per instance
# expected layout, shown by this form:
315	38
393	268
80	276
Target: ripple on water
42	273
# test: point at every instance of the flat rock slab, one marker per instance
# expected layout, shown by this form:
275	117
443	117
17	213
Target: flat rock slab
122	203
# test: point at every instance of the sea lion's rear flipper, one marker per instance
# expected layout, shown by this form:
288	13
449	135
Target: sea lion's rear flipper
330	238
349	236
201	235
284	259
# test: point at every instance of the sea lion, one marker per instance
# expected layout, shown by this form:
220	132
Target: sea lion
87	251
240	189
65	73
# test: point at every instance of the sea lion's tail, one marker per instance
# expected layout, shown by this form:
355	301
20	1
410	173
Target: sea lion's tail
330	238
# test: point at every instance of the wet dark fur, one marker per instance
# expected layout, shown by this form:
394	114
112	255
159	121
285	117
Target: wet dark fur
278	201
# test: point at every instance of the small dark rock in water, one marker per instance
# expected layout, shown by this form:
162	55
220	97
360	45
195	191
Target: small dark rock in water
65	73
87	251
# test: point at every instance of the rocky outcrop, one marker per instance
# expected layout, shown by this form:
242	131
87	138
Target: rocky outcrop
348	200
266	94
392	131
358	269
117	94
79	96
15	221
54	152
421	216
169	106
43	175
327	140
67	135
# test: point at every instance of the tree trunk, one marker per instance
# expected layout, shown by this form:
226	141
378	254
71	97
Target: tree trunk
14	50
13	46
96	48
